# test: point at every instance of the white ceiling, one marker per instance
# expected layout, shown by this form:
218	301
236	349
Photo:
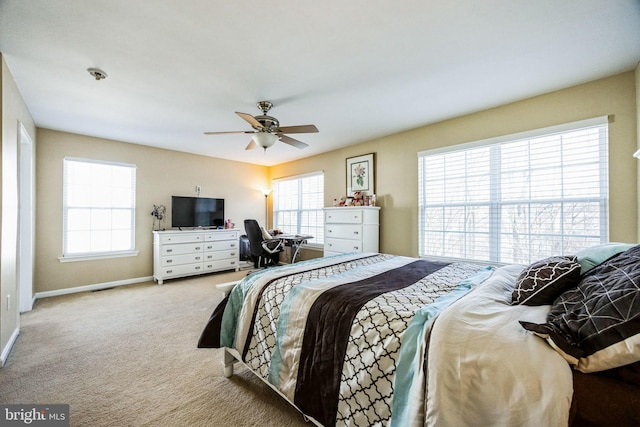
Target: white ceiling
357	69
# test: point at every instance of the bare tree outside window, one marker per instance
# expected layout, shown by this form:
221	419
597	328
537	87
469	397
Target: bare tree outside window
517	199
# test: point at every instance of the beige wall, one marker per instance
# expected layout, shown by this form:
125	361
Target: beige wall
13	112
160	174
396	155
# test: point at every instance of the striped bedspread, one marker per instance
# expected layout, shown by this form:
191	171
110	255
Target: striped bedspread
330	333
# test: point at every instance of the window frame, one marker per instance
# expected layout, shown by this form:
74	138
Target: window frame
93	255
313	243
495	204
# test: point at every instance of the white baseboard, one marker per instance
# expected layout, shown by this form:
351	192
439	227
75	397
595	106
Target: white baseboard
7	349
95	287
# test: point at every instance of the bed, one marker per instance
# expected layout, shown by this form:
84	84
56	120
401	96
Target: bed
376	339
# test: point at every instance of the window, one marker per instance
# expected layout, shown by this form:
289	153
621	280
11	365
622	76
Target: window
297	205
99	208
516	199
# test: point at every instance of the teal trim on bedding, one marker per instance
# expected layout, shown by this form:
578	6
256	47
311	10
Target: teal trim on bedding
233	308
275	365
291	299
238	294
412	340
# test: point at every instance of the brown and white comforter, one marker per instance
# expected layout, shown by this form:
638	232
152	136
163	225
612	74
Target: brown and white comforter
344	338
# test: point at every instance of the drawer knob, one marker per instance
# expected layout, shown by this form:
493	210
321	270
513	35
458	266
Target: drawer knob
197	257
233	245
356	248
169	250
169	261
169	271
198	268
198	248
232	253
355	232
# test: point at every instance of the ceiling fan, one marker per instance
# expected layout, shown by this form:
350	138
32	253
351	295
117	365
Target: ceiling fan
267	129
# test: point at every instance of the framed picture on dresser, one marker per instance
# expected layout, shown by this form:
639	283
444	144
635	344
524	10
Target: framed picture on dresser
360	174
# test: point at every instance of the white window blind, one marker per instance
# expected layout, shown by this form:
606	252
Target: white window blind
298	205
516	199
99	208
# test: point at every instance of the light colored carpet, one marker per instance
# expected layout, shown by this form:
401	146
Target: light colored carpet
127	356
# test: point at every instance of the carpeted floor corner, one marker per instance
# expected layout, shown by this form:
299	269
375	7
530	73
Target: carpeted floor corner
127	356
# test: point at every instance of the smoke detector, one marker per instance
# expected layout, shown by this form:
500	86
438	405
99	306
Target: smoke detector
97	73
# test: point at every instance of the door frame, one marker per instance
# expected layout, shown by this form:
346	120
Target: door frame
26	219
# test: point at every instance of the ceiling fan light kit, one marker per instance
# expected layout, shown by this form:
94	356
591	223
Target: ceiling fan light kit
264	139
267	129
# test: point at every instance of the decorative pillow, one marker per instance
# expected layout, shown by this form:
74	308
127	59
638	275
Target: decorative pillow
541	282
596	255
596	325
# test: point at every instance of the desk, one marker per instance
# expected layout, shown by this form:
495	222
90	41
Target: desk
293	240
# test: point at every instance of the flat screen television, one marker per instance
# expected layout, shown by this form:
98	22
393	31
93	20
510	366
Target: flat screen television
192	212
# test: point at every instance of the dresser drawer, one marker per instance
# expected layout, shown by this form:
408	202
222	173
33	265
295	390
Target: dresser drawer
221	235
184	269
342	245
343	231
222	264
186	237
186	248
218	255
346	216
221	245
182	259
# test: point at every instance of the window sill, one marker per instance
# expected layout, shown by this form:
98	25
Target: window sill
92	257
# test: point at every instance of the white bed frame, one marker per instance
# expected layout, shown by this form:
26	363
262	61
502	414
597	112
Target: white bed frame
232	356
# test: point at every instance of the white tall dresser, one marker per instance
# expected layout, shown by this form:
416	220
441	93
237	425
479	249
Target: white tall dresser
184	253
351	229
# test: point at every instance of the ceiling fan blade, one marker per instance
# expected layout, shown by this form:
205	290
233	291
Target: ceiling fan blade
250	119
251	145
298	129
288	140
224	133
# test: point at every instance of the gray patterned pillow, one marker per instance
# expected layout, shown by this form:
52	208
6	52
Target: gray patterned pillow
541	282
596	325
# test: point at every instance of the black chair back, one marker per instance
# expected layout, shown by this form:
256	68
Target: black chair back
264	252
254	233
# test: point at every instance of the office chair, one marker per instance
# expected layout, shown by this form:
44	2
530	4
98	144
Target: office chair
264	252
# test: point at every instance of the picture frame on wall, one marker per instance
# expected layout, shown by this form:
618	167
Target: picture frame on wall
360	174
